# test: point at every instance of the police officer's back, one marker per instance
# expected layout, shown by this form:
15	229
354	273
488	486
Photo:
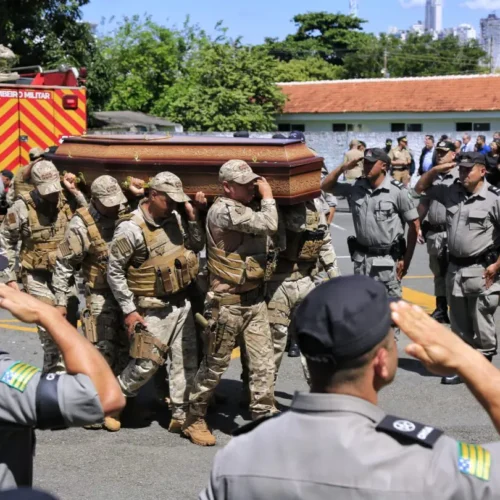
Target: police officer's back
344	446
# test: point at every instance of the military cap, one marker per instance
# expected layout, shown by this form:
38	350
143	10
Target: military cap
297	134
8	174
445	146
243	134
237	171
403	138
374	154
45	178
470	159
35	153
388	141
170	184
107	190
343	319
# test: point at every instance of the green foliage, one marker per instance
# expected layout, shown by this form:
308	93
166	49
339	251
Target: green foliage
225	86
309	69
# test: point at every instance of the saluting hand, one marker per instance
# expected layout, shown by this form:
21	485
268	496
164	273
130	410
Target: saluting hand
200	201
445	167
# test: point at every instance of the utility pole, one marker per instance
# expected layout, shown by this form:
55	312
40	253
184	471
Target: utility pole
384	71
491	54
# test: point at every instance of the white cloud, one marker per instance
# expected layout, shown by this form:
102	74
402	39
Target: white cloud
408	4
481	4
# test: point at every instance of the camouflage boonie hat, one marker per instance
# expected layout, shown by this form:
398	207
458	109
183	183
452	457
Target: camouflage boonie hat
35	153
237	171
170	184
107	190
45	178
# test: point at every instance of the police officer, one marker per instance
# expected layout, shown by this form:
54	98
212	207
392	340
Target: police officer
31	399
238	262
344	446
152	262
473	228
381	206
434	231
39	219
401	161
88	236
354	153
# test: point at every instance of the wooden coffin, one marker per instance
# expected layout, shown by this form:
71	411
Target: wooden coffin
291	168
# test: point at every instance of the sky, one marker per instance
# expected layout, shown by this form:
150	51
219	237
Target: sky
254	20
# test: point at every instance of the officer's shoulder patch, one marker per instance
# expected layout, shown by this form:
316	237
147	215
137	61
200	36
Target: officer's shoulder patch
494	189
474	460
413	432
18	375
398	184
245	429
239	213
12	218
121	246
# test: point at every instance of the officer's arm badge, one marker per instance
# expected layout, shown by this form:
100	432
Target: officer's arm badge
18	375
474	460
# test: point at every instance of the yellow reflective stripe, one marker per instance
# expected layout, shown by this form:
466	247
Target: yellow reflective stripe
465	450
472	461
26	377
20	371
480	461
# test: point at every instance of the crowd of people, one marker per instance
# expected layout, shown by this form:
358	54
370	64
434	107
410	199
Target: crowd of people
152	303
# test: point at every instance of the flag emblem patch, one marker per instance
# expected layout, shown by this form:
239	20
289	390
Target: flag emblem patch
474	460
18	375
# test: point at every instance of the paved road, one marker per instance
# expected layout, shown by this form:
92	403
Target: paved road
144	461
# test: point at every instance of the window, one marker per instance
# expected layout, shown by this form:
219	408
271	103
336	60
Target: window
464	126
290	127
481	127
397	127
350	127
339	127
414	127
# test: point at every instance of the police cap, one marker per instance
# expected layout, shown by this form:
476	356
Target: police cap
470	159
403	138
343	319
374	154
445	146
297	134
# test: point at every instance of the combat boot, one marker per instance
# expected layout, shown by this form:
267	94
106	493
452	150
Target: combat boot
112	422
175	426
196	429
440	314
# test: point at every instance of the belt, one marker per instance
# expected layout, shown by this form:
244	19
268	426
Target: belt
374	251
175	298
437	228
467	261
400	168
241	299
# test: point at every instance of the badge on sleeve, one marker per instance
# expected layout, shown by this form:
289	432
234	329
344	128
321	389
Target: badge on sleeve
18	375
474	460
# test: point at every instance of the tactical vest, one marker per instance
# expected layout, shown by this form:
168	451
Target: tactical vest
39	249
305	246
170	266
95	263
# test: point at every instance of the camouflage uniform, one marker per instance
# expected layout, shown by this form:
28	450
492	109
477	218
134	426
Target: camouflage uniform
40	226
86	243
303	239
237	245
150	267
21	186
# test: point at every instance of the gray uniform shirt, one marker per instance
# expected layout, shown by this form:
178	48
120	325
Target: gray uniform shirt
74	397
337	452
378	214
436	214
472	220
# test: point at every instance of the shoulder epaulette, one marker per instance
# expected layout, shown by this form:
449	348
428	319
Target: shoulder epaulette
409	431
494	189
245	429
398	184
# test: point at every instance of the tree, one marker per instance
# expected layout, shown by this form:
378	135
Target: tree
225	86
310	69
144	60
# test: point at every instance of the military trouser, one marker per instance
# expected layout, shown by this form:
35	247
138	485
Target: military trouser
173	327
381	269
402	176
283	298
472	307
102	324
438	261
252	324
39	285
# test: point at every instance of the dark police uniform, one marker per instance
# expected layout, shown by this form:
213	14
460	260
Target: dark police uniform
345	447
29	400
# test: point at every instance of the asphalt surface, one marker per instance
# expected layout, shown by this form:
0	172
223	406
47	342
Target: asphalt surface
144	461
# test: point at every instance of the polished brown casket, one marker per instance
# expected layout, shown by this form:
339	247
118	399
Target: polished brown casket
292	169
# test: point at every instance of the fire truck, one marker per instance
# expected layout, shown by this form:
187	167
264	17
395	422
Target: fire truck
37	109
